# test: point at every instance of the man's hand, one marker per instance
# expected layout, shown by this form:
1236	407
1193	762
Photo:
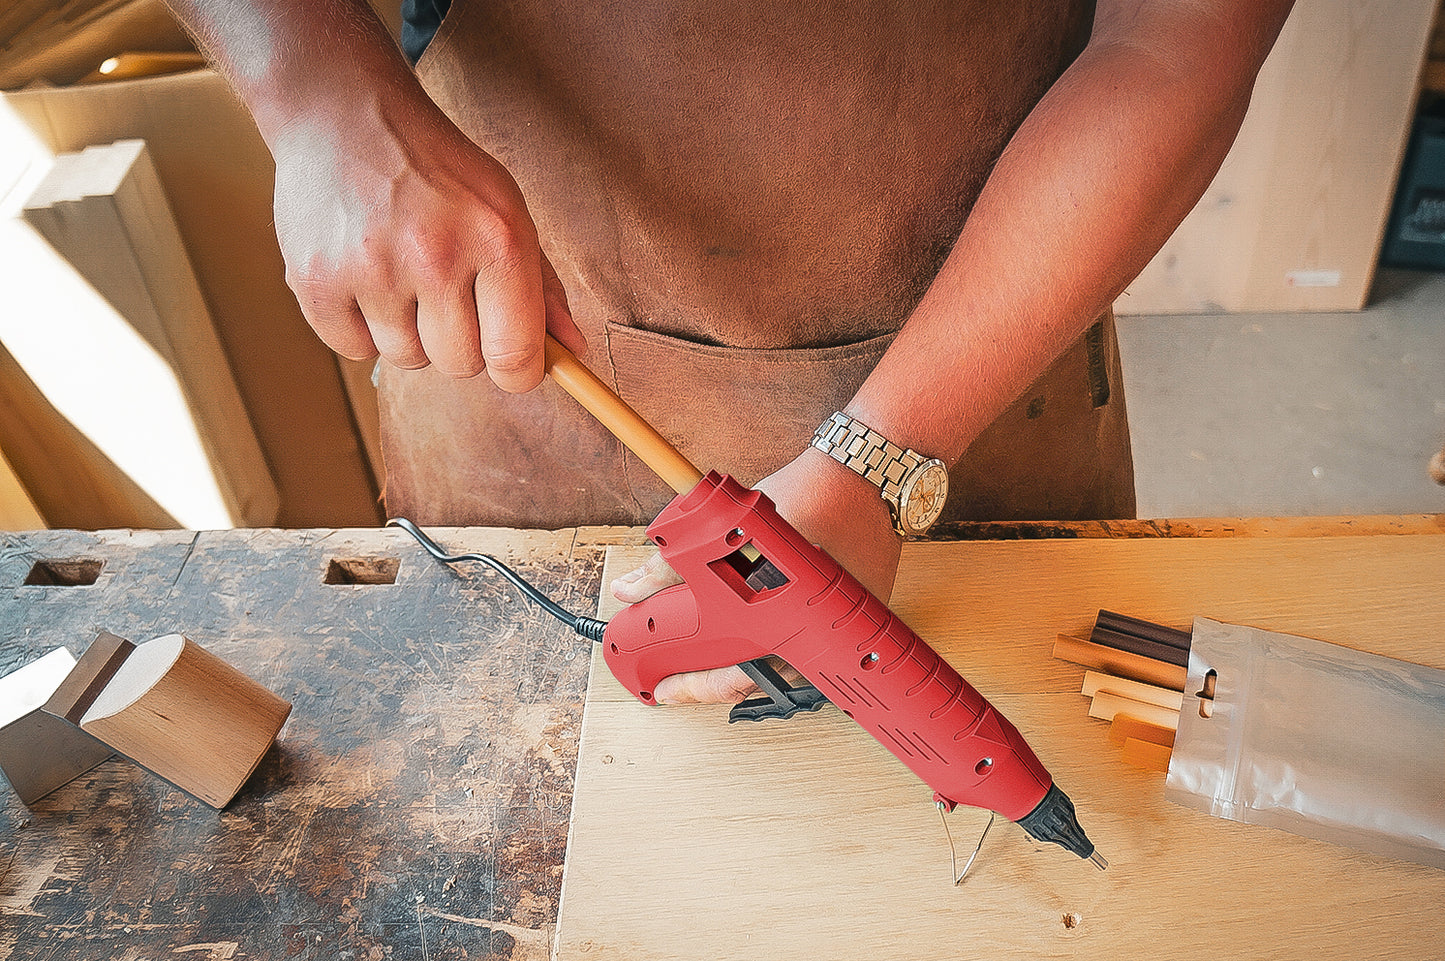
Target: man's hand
831	506
401	237
416	245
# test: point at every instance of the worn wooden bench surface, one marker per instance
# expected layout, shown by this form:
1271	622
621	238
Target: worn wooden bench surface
417	803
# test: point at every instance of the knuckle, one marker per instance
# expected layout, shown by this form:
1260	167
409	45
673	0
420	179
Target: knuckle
406	356
506	254
461	371
433	254
309	284
458	364
512	359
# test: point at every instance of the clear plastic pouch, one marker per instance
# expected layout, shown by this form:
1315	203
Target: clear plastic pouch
1313	738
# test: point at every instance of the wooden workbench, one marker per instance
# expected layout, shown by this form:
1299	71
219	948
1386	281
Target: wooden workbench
417	805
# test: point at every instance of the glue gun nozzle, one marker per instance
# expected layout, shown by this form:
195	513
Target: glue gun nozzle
1099	861
1053	819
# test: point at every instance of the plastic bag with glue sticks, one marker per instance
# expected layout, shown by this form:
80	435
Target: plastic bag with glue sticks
1313	738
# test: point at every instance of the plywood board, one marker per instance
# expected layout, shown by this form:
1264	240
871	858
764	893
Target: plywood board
1293	220
416	803
694	838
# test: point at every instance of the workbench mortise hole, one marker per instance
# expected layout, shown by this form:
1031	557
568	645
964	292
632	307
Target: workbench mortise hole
362	570
69	572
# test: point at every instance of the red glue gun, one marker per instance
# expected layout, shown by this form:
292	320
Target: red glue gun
754	587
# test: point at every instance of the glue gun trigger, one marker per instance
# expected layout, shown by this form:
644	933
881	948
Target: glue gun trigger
780	699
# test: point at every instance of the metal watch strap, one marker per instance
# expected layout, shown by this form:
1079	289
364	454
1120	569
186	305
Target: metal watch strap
867	453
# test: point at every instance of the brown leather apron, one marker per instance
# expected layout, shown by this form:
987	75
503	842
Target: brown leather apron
744	201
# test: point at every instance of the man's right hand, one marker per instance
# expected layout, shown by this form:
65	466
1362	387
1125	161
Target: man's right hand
401	237
412	243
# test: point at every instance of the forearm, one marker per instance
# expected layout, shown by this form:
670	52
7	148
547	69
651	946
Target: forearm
1089	188
287	59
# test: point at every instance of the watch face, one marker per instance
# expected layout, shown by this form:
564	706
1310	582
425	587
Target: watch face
922	497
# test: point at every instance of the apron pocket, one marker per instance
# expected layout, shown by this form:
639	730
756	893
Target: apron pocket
741	411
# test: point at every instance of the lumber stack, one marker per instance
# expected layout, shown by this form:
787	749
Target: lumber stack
104	211
318	436
57	476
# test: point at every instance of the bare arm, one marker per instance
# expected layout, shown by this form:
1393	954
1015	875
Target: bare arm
1091	185
1089	188
400	236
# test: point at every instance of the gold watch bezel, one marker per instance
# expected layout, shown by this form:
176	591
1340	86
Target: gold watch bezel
911	518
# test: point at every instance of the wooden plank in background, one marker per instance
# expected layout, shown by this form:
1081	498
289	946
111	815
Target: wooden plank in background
365	410
17	510
1293	220
103	209
61	42
218	176
69	480
695	838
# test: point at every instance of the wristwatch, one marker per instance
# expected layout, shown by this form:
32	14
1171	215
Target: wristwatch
914	486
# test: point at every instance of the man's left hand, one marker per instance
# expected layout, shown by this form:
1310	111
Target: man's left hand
828	504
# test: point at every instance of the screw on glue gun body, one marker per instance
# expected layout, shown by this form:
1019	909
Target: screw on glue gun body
754	587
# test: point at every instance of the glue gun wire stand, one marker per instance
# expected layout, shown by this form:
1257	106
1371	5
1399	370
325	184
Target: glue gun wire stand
588	627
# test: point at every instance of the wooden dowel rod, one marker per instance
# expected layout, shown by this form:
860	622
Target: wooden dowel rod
636	434
1125	624
1123	663
1142	646
1096	681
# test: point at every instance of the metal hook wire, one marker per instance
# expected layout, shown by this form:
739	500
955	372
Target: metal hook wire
953	852
589	627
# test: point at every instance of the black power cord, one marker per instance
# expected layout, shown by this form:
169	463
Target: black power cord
588	627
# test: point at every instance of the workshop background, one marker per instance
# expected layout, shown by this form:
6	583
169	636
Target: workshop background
164	377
